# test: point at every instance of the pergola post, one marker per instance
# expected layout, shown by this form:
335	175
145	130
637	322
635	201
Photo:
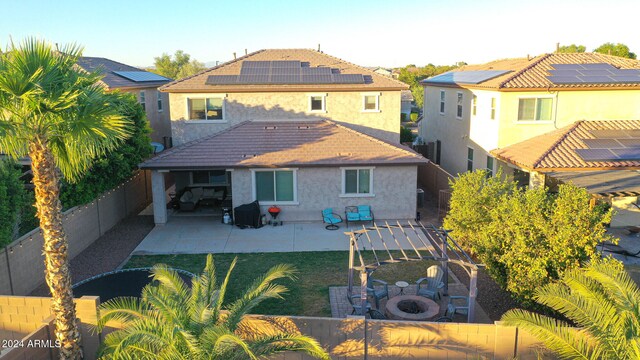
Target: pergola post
159	197
351	255
363	291
473	293
445	263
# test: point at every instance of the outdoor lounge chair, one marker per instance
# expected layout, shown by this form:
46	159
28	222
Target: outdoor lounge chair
356	307
378	293
331	218
433	283
457	305
358	213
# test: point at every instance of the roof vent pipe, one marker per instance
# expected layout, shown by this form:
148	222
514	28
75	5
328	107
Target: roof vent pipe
318	47
557	47
245	51
234	56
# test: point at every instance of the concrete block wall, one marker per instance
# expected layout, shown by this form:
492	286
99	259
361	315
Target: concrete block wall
22	262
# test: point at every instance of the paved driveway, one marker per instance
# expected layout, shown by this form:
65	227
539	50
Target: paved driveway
198	235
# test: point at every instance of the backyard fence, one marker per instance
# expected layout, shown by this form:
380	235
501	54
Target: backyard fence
22	262
344	339
435	180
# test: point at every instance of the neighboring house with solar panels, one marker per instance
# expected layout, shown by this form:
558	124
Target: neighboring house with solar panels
294	128
143	84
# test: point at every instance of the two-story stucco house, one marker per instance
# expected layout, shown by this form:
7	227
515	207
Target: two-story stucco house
143	84
521	114
295	128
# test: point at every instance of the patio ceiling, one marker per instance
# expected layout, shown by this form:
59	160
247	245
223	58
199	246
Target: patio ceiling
603	182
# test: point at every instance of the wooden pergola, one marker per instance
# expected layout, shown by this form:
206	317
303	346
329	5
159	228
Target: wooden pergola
415	242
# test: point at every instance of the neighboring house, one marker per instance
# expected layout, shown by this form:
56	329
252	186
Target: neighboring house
143	84
478	108
296	128
382	71
602	156
406	103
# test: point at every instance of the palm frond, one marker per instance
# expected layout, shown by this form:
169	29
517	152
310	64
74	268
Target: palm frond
222	342
269	345
121	310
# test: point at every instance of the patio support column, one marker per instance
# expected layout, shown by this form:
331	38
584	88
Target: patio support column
363	291
159	197
536	180
445	262
351	255
473	293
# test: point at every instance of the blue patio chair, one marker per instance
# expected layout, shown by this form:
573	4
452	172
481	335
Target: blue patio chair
357	308
433	283
331	218
377	293
365	213
457	305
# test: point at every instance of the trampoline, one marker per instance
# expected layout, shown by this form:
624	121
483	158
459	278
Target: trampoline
126	282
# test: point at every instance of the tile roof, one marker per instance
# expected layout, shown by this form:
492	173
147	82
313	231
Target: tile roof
283	144
555	150
406	95
373	81
110	79
532	73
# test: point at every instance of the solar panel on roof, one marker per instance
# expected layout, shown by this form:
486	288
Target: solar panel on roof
565	80
567	66
316	71
285	79
222	79
596	79
620	72
285	64
602	143
596	154
255	71
316	79
595	72
599	66
627	154
285	71
632	142
626	78
465	77
600	73
253	79
348	78
141	76
568	72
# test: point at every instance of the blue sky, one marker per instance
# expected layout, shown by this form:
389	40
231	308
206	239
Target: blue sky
369	33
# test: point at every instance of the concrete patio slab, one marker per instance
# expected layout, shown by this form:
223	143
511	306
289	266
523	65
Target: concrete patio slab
200	235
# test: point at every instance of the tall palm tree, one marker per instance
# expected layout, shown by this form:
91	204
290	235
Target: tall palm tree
601	299
173	321
61	118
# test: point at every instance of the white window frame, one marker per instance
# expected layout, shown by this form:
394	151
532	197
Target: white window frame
493	165
143	99
344	194
364	98
517	121
324	103
493	105
474	105
254	193
203	121
470	160
442	103
160	108
459	105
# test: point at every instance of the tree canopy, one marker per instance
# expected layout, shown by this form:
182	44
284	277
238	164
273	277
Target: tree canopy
573	48
179	66
618	49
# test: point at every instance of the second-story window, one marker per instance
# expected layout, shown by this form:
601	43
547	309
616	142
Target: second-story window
493	108
143	100
469	159
535	109
371	102
441	102
206	108
317	103
474	105
159	94
459	106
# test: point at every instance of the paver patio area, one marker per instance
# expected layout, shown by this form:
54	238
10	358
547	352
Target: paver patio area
199	235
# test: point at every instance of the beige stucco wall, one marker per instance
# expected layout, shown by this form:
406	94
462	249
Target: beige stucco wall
342	107
626	214
318	188
158	120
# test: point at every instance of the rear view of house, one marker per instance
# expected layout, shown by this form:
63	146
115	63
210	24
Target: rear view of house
294	128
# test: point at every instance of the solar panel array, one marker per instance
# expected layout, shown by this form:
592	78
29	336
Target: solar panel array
284	72
600	73
611	145
465	77
141	76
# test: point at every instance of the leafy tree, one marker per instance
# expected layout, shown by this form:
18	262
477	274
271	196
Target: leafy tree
412	75
601	299
618	49
13	198
525	237
62	119
406	135
116	166
178	67
573	48
171	321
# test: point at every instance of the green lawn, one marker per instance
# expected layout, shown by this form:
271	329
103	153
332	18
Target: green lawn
308	295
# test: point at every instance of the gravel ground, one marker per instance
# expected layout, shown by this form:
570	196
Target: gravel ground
109	251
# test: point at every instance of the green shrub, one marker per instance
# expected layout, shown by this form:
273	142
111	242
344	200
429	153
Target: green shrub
403	117
525	237
117	166
13	198
414	117
406	135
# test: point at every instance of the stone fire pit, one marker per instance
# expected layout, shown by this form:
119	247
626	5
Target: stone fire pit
411	307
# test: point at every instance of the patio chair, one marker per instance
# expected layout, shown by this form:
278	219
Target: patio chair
433	283
358	213
376	314
357	308
378	293
331	218
457	305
